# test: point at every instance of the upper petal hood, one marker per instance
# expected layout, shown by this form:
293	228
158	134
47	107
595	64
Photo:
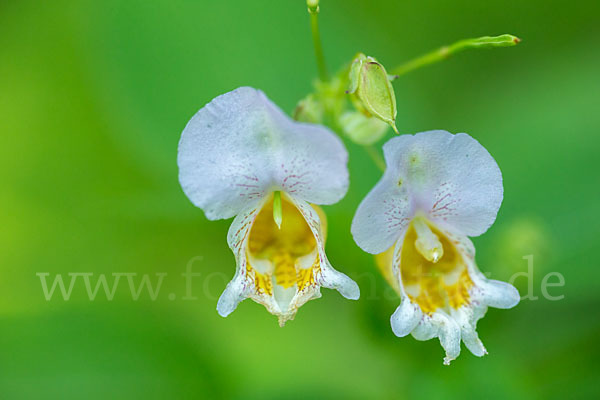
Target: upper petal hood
382	216
451	179
241	146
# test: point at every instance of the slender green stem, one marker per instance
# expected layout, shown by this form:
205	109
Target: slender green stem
316	37
444	52
376	157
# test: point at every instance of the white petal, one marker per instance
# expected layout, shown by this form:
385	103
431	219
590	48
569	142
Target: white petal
238	289
443	326
383	216
241	146
239	230
233	294
466	318
332	279
496	293
405	318
425	329
464	245
449	334
329	277
487	292
451	178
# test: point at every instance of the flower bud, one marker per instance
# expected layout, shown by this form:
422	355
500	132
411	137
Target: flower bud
361	129
313	5
309	109
371	90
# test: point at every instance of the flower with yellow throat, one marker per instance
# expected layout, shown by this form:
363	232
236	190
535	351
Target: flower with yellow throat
241	156
438	189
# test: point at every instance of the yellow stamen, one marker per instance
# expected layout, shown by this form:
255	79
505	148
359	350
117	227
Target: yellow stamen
306	277
285	269
262	282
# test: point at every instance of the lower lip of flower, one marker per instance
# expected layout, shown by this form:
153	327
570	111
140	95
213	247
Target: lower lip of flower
431	280
282	253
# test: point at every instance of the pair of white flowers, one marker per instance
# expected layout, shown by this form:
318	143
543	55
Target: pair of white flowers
241	156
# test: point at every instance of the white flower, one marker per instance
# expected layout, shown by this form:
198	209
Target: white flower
438	189
242	156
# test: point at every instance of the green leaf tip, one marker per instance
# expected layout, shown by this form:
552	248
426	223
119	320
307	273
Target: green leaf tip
493	41
444	52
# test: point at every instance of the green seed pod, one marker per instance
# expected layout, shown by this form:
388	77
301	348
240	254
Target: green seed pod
371	89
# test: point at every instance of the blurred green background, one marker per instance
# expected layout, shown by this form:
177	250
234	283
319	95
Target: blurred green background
93	98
